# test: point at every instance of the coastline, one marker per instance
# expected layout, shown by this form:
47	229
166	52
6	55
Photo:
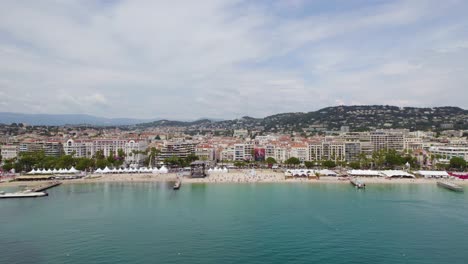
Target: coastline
234	178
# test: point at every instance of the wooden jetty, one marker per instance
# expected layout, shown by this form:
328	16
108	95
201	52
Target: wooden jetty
46	186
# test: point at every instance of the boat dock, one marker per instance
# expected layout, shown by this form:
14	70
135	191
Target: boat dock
45	187
357	183
450	186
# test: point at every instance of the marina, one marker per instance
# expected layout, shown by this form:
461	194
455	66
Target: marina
450	186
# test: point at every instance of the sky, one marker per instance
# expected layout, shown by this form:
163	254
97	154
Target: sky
229	58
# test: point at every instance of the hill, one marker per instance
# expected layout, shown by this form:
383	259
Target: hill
362	117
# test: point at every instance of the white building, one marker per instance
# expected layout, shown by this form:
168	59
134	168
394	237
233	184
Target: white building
448	152
9	152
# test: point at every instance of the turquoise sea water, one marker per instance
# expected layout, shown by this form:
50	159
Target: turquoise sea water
236	223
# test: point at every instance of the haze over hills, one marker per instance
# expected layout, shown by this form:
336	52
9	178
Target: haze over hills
74	119
361	117
65	119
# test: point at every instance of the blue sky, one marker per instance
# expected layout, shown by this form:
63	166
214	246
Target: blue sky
229	58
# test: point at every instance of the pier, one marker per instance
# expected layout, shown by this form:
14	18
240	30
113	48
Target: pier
46	186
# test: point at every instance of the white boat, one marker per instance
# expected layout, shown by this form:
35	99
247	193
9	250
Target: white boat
357	183
24	194
450	186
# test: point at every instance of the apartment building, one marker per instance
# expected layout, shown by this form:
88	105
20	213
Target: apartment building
9	152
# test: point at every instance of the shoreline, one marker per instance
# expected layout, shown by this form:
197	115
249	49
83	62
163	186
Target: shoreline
231	178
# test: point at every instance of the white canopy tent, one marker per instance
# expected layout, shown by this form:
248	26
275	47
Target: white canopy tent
433	174
397	173
366	173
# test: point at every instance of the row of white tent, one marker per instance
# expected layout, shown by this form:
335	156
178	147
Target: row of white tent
380	173
218	170
54	171
399	173
154	170
307	173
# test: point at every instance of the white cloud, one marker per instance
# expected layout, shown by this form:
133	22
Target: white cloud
220	58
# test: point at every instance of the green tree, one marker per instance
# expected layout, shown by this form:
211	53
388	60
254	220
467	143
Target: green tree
240	164
102	163
355	165
378	158
270	161
309	164
84	163
292	161
457	163
329	164
8	166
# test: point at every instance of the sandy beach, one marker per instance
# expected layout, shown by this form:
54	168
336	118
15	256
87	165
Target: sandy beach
265	176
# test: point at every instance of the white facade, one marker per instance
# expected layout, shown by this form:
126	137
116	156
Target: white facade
9	152
448	152
87	148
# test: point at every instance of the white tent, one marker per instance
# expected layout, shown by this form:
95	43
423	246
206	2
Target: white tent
73	170
106	170
155	170
326	172
98	170
368	173
225	170
54	170
163	169
49	171
433	174
397	173
33	171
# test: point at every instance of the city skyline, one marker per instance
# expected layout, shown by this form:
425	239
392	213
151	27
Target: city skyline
226	59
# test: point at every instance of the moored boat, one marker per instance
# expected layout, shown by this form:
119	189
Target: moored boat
25	194
177	185
450	186
357	183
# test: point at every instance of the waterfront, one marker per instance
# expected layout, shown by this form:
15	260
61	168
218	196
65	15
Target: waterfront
236	223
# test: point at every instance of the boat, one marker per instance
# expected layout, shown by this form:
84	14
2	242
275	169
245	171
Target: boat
177	185
450	186
357	183
24	194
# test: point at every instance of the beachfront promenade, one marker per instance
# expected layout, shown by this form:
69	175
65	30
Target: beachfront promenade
239	176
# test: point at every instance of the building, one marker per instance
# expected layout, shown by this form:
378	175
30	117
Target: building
300	151
387	140
352	151
178	149
205	152
9	152
327	150
133	149
50	148
448	152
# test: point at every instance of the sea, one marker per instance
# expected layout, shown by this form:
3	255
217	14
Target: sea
236	223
